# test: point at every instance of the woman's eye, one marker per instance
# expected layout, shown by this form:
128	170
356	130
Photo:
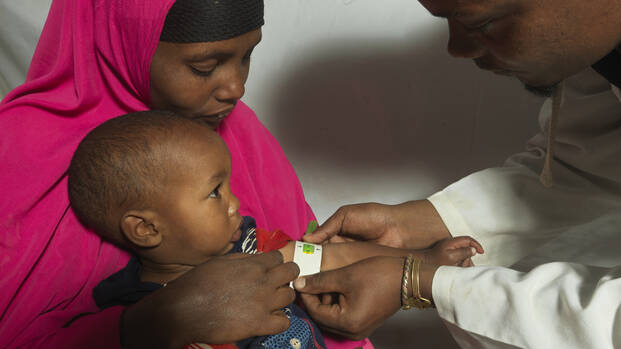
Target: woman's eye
215	193
202	72
246	57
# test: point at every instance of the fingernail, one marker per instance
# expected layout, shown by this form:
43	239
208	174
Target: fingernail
473	251
299	283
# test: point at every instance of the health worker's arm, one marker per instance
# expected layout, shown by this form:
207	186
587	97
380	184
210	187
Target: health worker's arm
556	305
511	213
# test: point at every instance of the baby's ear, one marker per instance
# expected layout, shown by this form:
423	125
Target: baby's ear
141	229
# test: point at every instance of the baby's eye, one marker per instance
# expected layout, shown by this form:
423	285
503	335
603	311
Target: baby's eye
216	192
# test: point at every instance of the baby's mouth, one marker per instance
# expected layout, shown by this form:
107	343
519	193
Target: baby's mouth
237	233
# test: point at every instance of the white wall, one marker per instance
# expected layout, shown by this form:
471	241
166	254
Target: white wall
369	107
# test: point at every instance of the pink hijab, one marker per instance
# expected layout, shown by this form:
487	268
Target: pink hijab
91	64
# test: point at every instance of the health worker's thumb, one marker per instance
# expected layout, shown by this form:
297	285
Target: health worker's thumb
317	283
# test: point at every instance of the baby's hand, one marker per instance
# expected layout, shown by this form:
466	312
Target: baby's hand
453	251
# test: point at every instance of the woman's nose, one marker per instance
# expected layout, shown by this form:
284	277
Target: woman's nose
462	44
232	87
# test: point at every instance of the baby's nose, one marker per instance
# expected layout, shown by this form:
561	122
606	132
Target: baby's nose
233	205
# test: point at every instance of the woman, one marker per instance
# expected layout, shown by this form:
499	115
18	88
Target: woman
96	60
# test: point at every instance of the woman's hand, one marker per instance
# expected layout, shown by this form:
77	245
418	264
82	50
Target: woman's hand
222	301
412	225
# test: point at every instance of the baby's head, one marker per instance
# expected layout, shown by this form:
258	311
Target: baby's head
156	184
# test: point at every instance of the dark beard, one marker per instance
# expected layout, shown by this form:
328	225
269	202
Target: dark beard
541	91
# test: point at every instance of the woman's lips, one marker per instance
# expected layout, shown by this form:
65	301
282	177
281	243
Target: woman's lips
219	116
216	117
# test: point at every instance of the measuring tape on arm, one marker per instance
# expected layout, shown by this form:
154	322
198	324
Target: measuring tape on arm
307	257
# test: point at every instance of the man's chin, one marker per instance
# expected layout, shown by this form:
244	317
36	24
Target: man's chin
541	91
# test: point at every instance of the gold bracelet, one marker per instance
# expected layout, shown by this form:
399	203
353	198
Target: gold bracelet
406	302
418	300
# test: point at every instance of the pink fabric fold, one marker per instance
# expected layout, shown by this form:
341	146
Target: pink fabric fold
91	64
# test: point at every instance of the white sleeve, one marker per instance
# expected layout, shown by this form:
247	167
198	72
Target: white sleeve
556	305
511	213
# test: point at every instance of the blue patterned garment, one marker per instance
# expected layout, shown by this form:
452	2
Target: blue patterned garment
125	288
302	333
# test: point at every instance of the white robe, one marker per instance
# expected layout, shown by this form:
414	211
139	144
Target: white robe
572	303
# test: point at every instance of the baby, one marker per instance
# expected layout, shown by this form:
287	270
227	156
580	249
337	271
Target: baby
157	185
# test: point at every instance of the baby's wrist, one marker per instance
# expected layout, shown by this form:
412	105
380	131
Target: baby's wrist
427	273
425	256
287	251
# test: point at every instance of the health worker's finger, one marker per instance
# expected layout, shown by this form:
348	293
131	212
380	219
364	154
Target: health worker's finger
327	298
328	229
326	315
338	239
318	237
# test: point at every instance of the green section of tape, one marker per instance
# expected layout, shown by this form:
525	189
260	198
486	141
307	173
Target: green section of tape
310	249
312	226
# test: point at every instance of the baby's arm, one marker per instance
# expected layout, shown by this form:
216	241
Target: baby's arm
338	255
454	251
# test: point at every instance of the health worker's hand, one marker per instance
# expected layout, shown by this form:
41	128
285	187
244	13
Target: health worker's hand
367	293
411	225
221	301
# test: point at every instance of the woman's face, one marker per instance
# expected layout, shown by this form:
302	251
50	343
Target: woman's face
201	80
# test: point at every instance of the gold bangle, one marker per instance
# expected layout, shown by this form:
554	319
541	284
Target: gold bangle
418	300
412	276
406	280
